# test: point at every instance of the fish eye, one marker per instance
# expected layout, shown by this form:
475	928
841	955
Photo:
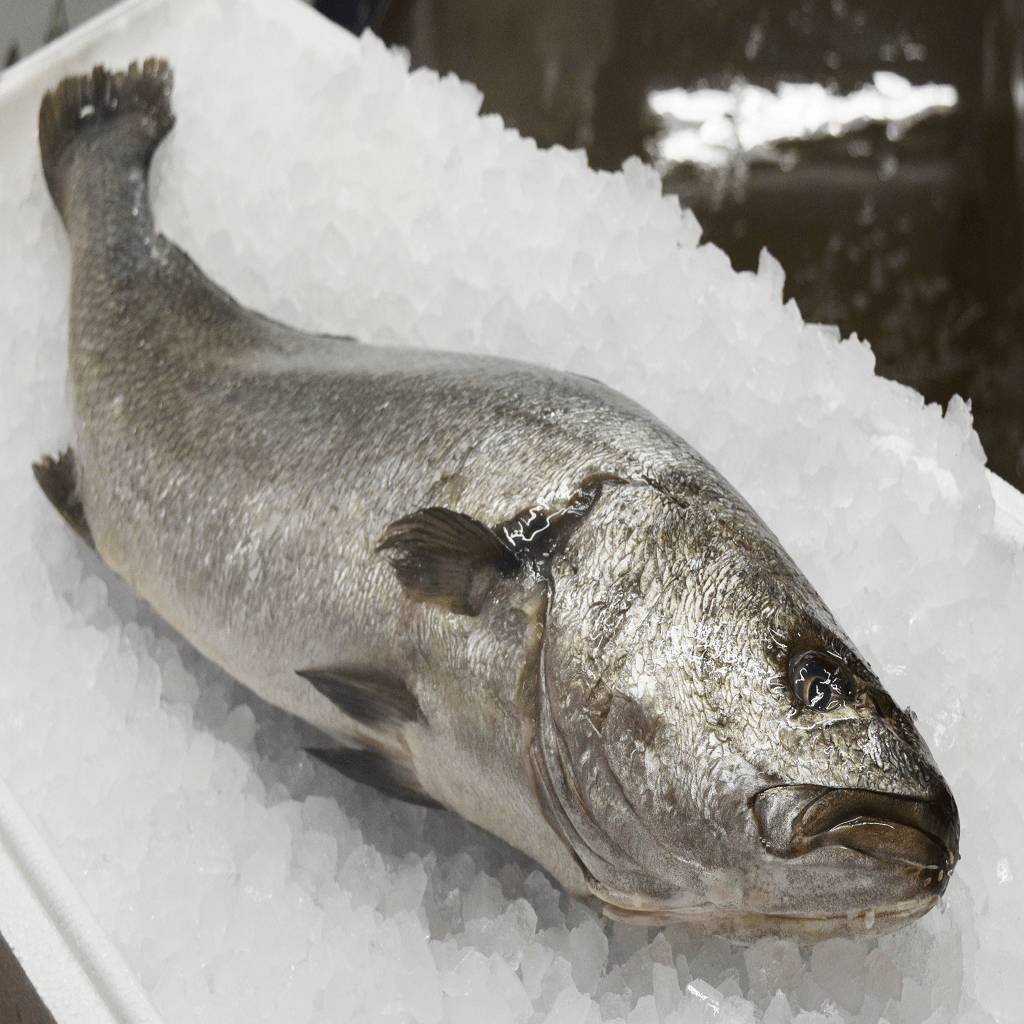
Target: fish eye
818	681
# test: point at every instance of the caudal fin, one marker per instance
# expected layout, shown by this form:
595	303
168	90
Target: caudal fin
131	107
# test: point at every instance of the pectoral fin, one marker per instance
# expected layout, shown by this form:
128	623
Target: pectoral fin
374	768
59	481
453	559
368	694
446	557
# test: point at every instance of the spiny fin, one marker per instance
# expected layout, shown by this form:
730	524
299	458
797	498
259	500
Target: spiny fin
446	557
453	560
136	102
59	481
374	768
367	694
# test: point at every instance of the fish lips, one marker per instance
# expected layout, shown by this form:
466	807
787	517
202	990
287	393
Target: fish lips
915	837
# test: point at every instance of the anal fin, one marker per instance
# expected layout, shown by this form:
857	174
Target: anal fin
59	481
376	769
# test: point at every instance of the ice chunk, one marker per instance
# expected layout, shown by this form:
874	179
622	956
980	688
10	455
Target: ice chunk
839	966
772	965
588	953
239	728
199	763
571	1007
884	979
778	1010
483	899
667	993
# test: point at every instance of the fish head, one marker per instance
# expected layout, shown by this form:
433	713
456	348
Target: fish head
709	742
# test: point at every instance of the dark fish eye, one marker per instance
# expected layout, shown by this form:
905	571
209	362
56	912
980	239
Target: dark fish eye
818	682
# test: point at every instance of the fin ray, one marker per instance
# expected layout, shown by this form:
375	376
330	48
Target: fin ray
453	560
376	769
370	695
446	557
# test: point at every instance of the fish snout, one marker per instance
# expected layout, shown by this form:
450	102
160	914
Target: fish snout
922	836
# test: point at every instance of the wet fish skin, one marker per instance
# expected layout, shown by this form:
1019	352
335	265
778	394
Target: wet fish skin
494	587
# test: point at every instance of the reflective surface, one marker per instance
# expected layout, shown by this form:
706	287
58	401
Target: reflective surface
908	235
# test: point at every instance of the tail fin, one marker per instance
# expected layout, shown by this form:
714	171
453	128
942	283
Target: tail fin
135	103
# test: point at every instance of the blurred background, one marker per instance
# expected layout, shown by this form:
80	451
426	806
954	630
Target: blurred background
875	147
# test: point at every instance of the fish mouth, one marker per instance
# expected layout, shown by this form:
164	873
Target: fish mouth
920	836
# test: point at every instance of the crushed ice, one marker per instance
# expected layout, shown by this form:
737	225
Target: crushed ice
317	179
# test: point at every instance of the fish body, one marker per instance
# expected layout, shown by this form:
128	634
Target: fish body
493	587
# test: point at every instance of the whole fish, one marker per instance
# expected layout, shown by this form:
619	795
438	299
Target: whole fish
494	587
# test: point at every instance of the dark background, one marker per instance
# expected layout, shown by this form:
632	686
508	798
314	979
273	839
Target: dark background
922	256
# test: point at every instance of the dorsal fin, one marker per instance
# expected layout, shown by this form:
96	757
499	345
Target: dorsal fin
59	481
368	694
